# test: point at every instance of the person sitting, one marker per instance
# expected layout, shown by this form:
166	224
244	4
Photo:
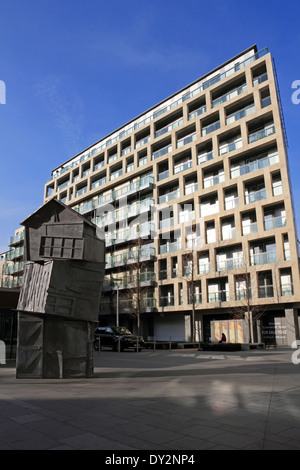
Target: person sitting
223	339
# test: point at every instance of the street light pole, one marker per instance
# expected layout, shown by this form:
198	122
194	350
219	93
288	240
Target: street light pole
117	311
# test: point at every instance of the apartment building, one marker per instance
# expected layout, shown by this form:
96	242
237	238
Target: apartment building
13	261
193	198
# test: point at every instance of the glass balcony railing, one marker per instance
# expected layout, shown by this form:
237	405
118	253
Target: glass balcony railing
16	253
266	101
169	247
249	228
142	142
63	185
81	191
116	174
169	196
163	175
197	298
275	222
16	239
263	258
211	128
256	164
287	289
213	180
230	147
228	96
261	134
205	157
204	268
228	233
186	140
191	188
243	294
260	79
99	165
169	127
231	263
98	183
220	296
197	112
240	114
231	203
161	152
166	223
255	196
182	167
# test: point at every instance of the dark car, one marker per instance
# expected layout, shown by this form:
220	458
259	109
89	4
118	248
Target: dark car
113	336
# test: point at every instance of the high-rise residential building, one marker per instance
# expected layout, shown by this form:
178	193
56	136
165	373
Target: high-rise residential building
194	200
13	266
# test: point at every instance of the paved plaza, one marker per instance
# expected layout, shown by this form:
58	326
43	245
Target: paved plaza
158	400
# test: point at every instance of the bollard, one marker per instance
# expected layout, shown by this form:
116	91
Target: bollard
170	343
119	344
99	346
154	344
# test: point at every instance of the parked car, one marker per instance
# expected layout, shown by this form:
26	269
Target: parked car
112	336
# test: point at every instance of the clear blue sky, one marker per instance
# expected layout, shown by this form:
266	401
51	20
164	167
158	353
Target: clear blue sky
76	70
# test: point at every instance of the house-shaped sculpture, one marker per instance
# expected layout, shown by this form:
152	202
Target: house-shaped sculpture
60	294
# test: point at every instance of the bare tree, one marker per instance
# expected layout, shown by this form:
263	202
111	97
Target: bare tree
193	281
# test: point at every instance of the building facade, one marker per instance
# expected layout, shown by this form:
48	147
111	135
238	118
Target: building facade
12	266
193	199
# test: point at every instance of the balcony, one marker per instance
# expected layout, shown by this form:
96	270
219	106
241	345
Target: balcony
81	191
243	294
250	228
139	185
186	140
142	142
190	188
169	196
205	157
228	96
161	152
63	185
169	247
204	268
261	134
98	183
287	290
211	128
231	203
275	222
230	263
163	175
260	79
263	258
197	112
197	298
15	268
256	164
255	196
213	180
116	174
16	239
182	166
240	114
169	127
220	296
230	146
16	253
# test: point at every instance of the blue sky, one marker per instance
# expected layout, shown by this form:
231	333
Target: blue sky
76	70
